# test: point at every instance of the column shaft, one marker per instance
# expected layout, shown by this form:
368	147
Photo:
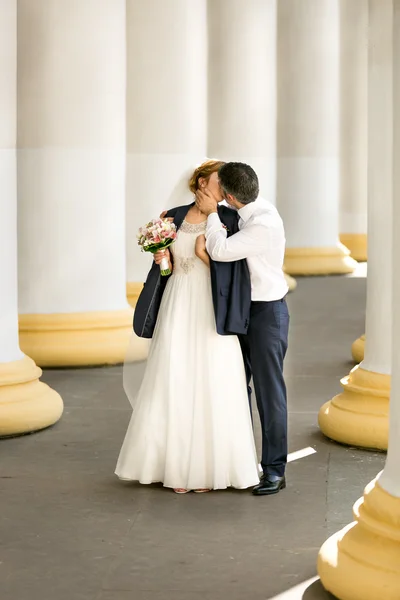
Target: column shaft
353	145
390	479
166	114
242	86
359	415
242	96
308	123
71	181
25	403
361	562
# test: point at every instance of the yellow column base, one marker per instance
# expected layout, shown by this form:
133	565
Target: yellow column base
133	290
319	261
359	416
357	244
80	339
357	349
26	404
362	562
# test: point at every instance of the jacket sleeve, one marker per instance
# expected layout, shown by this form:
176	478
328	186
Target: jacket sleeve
172	212
231	285
148	304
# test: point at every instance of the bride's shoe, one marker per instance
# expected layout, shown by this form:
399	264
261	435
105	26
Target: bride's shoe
181	491
202	491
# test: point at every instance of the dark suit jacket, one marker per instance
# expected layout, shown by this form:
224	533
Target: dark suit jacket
230	281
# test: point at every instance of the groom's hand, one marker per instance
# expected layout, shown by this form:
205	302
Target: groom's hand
163	216
206	202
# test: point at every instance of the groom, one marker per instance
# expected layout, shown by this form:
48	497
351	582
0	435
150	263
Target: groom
261	241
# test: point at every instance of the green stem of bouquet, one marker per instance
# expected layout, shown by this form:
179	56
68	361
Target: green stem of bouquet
156	247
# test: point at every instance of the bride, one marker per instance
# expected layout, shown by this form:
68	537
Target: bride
191	427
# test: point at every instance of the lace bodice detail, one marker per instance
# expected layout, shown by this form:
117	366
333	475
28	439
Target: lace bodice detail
183	250
197	228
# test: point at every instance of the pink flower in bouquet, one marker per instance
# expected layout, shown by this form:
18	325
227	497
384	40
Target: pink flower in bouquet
157	235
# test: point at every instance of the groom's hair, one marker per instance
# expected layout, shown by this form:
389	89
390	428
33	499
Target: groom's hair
239	180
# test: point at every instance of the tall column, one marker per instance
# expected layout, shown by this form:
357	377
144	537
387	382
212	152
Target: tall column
308	123
359	415
242	86
353	126
71	182
361	562
25	403
242	100
354	135
166	114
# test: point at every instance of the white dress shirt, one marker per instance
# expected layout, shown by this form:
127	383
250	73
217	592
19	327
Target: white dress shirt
261	240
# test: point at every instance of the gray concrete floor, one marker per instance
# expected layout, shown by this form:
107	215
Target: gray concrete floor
71	531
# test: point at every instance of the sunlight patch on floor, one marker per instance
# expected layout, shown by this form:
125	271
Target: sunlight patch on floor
296	455
297	592
301	454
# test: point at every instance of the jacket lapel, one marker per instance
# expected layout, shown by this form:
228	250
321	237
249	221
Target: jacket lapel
181	215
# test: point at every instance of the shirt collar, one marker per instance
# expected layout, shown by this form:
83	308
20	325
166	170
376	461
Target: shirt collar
247	210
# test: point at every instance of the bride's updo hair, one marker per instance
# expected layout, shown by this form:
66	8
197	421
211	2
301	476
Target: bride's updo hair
204	171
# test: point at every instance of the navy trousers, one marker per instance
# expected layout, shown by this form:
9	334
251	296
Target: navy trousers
264	349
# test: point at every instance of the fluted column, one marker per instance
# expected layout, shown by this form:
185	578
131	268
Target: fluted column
166	114
26	404
308	124
359	415
71	182
242	87
353	126
361	562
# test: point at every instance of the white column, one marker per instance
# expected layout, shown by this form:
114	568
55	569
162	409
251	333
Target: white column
378	328
308	125
166	113
242	103
390	479
362	560
242	86
71	181
25	403
9	349
353	125
359	415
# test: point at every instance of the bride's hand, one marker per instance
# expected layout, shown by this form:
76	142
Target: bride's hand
158	256
200	248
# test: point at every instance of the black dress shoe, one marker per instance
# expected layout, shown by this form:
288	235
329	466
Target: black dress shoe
268	485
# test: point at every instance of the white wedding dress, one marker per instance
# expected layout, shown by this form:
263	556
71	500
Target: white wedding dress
191	426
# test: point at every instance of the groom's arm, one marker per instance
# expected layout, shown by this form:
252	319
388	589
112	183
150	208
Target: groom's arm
250	241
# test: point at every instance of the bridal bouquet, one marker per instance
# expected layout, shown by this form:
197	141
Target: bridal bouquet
157	235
